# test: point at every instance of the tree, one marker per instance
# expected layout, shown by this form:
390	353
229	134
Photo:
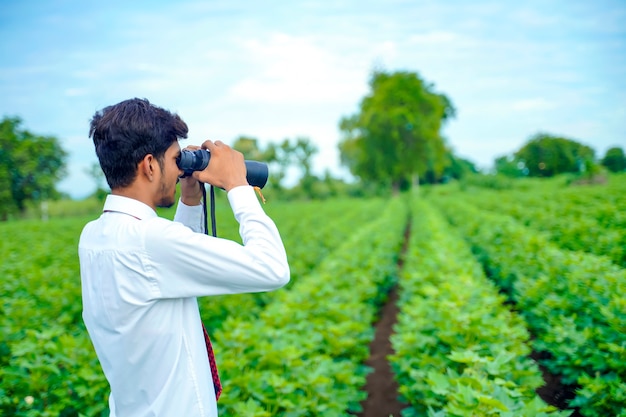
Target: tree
277	156
459	167
302	152
614	160
249	147
546	155
298	154
396	134
509	166
102	189
30	167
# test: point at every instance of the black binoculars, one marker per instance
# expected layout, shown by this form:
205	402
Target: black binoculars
190	161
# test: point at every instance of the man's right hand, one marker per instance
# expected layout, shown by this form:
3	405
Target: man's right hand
226	169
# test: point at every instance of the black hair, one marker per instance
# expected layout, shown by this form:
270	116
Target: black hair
125	133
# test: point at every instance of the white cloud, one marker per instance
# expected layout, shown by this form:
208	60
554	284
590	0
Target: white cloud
293	70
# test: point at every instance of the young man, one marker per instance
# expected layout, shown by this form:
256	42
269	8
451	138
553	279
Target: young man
141	273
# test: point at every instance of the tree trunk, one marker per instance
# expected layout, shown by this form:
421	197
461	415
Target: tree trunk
395	188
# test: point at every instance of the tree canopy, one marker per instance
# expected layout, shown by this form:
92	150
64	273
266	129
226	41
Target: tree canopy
249	147
30	166
546	155
396	133
614	160
281	156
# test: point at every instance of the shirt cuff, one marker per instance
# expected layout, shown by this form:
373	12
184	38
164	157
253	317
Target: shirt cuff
242	198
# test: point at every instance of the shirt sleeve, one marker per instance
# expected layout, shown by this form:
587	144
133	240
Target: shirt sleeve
183	263
190	216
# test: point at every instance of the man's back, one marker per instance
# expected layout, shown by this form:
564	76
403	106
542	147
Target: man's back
151	349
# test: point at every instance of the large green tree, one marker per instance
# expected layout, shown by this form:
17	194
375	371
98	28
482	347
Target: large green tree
546	155
395	135
30	166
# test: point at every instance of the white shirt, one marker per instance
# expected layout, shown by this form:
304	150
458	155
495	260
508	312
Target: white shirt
140	277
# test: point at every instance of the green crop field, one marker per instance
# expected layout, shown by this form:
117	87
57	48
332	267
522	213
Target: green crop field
494	287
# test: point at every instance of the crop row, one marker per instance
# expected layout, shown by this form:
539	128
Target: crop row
573	303
47	362
309	231
605	203
303	355
458	349
580	219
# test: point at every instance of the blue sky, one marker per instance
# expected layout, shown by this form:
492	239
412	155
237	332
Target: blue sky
285	69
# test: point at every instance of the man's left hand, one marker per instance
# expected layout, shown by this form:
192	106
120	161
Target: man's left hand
191	188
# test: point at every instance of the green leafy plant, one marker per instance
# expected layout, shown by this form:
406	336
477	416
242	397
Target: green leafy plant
459	351
303	355
572	301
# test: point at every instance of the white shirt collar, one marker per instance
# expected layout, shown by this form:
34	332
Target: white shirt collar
130	206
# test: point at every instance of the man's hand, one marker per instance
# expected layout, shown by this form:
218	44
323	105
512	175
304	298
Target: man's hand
226	169
191	188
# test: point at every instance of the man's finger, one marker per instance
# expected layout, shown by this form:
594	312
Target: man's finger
208	144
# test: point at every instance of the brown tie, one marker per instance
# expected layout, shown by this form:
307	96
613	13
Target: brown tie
216	378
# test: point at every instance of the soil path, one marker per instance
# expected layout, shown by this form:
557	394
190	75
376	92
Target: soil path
381	387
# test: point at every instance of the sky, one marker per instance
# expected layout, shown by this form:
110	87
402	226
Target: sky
276	70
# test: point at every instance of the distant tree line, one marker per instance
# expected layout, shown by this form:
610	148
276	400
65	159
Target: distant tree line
291	154
545	155
392	142
395	138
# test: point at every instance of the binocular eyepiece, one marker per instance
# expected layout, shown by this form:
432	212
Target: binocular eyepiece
190	161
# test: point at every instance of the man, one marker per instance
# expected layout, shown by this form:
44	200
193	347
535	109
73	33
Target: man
141	273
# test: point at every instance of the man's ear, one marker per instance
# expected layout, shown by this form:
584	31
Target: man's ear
147	166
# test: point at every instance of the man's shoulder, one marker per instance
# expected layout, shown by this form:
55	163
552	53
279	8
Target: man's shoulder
160	227
88	230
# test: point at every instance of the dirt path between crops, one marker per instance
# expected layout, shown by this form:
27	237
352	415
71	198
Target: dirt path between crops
554	392
382	389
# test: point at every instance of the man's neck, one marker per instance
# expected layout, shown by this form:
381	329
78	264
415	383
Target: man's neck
135	192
